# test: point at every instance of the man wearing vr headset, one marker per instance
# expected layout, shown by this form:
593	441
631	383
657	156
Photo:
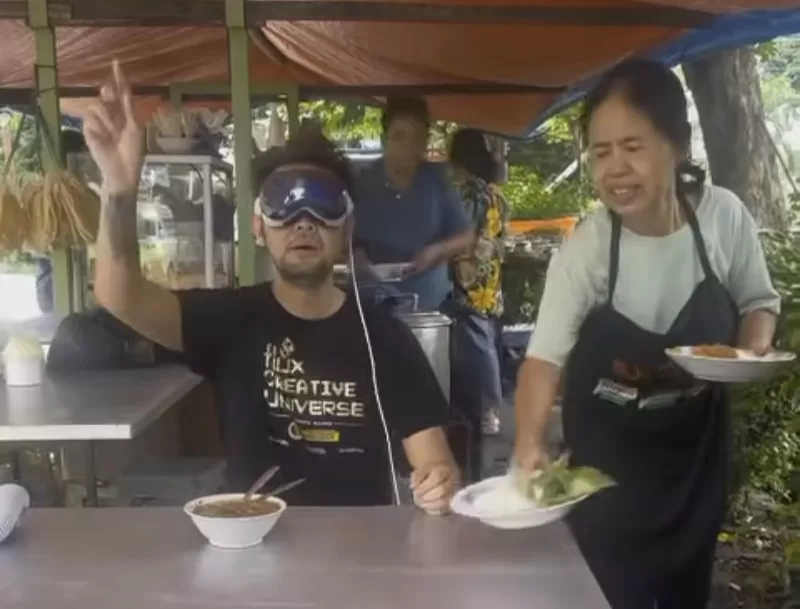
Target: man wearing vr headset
289	360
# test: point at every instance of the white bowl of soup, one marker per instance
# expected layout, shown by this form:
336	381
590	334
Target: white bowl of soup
228	522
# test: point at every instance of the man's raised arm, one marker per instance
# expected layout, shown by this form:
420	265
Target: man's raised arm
116	142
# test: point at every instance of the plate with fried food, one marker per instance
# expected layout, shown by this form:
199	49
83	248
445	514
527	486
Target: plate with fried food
726	364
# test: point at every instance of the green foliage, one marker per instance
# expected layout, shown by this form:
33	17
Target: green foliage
553	150
759	556
21	263
532	165
26	157
767	415
562	127
529	198
778	94
766	427
766	50
350	124
441	132
346	123
780	89
536	163
779	58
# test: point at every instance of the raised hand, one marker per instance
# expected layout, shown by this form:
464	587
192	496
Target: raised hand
113	136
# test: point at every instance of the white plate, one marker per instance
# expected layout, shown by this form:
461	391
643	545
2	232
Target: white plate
384	272
14	501
474	502
392	272
747	368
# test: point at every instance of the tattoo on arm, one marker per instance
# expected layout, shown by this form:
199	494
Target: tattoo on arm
119	222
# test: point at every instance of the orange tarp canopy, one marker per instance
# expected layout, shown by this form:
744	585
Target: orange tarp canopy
368	53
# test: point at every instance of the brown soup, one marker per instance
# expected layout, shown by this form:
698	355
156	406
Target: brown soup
237	508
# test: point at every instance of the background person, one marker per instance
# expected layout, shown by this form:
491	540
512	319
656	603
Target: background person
669	261
408	210
477	290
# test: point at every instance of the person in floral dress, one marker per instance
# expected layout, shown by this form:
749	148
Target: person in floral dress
477	294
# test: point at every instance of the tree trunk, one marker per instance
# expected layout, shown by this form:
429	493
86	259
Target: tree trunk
741	157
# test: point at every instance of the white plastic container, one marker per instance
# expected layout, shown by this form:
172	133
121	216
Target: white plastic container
23	362
234	533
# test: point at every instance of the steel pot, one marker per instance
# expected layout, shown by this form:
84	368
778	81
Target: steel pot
432	331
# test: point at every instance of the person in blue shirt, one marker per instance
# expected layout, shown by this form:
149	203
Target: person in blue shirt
407	210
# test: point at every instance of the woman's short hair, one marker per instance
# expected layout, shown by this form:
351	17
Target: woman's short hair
469	149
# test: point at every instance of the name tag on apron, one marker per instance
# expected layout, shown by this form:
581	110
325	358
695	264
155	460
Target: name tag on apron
660	399
623	395
616	393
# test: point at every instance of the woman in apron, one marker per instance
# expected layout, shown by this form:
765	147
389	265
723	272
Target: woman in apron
668	261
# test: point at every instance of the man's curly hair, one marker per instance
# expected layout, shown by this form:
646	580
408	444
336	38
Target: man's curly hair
308	148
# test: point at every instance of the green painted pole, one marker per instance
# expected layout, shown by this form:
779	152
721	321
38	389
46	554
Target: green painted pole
239	69
46	73
175	97
293	108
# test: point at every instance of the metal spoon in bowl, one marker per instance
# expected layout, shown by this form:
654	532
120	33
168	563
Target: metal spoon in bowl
262	480
285	487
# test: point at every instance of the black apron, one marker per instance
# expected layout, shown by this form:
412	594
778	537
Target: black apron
663	436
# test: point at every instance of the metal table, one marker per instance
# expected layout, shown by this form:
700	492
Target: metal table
91	407
315	558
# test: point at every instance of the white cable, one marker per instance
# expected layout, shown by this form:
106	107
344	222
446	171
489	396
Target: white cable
387	434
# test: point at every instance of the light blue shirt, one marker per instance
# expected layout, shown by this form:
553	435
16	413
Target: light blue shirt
395	226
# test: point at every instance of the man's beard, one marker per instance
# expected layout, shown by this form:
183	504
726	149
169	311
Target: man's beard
306	277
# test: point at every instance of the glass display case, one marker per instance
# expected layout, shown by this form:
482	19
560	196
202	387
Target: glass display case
185	219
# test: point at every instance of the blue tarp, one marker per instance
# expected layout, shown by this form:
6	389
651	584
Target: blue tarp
727	32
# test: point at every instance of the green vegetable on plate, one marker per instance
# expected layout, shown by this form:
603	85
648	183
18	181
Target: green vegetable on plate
560	484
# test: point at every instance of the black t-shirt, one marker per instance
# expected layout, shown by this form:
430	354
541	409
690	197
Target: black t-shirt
298	393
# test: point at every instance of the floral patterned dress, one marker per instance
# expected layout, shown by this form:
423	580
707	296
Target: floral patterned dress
477	285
